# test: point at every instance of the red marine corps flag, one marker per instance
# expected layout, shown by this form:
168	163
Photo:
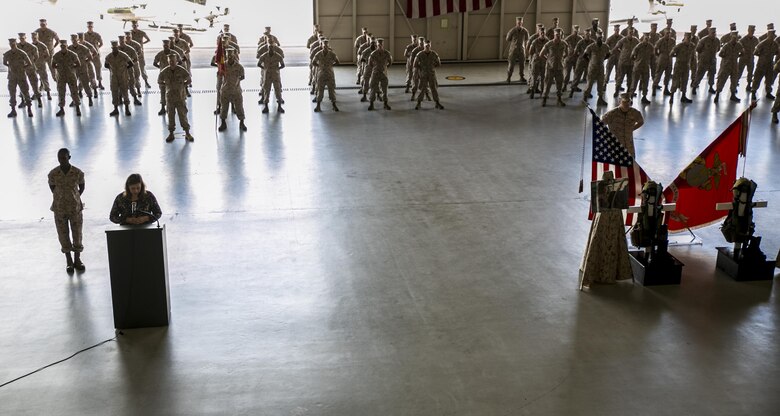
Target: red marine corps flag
708	179
220	58
429	8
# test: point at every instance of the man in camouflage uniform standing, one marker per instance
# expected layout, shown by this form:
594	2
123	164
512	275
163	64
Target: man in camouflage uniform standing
408	55
663	49
379	60
537	63
747	60
554	54
324	61
176	78
134	84
161	62
623	121
119	65
426	63
42	64
360	40
707	53
766	51
231	91
582	62
139	52
50	39
415	71
93	52
17	61
704	32
571	58
82	72
187	38
625	48
516	38
729	67
612	62
66	183
630	29
32	76
365	76
67	63
272	62
641	57
682	53
595	54
95	40
142	39
654	38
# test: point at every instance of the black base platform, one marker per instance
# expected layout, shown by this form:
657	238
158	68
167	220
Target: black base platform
747	268
664	270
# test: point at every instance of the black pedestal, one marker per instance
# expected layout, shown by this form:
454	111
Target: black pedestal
662	270
137	259
748	267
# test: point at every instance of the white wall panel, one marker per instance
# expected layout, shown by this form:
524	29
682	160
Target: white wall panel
467	36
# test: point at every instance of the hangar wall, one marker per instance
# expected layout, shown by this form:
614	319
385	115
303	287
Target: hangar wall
473	36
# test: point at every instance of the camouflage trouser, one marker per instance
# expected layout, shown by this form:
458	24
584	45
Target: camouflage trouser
84	81
67	224
746	62
378	85
365	82
21	83
142	66
119	90
537	75
570	64
653	67
624	71
776	105
67	80
137	75
228	98
694	65
553	75
220	79
680	79
408	81
32	77
709	68
579	71
727	74
516	56
428	82
326	80
131	81
177	105
96	62
641	78
275	81
763	72
596	77
612	63
43	75
663	68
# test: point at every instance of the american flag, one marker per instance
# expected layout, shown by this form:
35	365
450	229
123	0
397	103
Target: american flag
429	8
610	155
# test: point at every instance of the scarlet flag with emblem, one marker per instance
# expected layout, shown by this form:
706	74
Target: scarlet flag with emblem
429	8
708	179
220	58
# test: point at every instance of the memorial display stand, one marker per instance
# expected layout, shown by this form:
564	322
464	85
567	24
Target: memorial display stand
137	258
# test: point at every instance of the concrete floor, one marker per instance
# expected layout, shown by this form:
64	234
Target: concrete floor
377	263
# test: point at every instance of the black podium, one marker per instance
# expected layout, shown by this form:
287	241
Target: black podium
138	263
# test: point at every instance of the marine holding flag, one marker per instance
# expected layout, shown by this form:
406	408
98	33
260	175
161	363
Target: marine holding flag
708	179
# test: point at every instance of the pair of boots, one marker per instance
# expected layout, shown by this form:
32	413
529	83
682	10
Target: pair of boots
560	102
223	125
74	263
127	111
371	106
438	106
279	108
683	99
62	111
187	136
774	118
317	109
733	98
12	114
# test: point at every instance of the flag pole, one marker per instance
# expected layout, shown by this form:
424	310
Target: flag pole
747	131
584	141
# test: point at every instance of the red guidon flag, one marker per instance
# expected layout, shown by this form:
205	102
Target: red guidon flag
220	58
708	179
429	8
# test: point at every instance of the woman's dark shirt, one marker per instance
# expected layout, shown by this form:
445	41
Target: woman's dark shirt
123	208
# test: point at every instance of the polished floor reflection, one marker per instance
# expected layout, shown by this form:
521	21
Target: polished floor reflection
377	263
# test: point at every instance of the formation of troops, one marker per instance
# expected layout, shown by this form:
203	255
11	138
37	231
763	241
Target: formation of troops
657	61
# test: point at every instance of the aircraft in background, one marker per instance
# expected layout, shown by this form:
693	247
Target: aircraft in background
168	16
657	11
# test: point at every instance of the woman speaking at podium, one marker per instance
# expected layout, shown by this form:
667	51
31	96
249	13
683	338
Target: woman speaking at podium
135	205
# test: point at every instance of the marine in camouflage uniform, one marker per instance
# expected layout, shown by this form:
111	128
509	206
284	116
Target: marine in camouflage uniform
707	54
682	53
630	29
776	104
82	72
360	40
582	62
139	53
324	61
595	54
42	64
426	63
95	40
623	121
729	67
17	61
694	61
379	60
187	38
67	63
747	60
265	43
537	63
571	57
668	29
66	183
727	37
415	71
641	57
313	73
704	32
663	49
408	55
365	78
176	78
766	51
50	39
93	52
142	39
624	48
231	91
133	85
555	26
119	65
272	62
654	38
554	53
161	62
32	76
612	62
516	38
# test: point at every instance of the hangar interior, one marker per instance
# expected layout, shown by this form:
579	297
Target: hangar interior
403	262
